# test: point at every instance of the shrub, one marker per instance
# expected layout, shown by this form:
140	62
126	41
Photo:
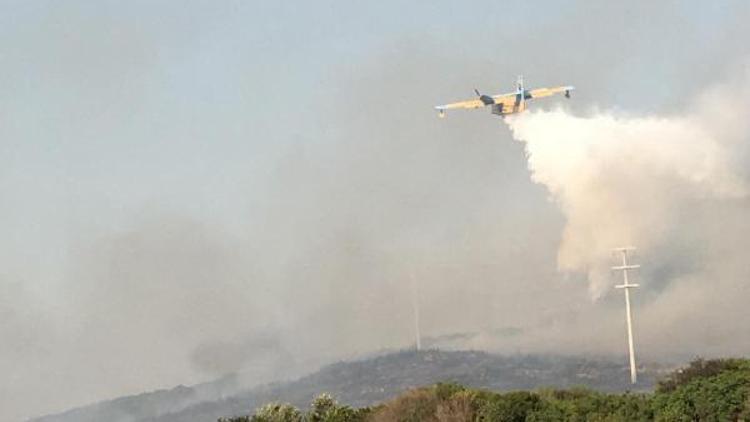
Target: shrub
699	368
706	391
235	419
459	407
510	407
413	406
277	412
444	390
321	407
325	408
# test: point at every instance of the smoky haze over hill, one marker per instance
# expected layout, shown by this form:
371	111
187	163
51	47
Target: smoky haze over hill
367	382
193	191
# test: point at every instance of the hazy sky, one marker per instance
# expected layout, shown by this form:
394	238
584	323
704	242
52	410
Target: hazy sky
193	188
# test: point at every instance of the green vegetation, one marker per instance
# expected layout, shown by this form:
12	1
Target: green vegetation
323	409
706	390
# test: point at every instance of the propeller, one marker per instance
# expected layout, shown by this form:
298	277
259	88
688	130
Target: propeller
486	99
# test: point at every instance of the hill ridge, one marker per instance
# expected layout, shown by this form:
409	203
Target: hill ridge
367	381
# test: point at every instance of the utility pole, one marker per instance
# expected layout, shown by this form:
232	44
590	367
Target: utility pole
626	285
415	306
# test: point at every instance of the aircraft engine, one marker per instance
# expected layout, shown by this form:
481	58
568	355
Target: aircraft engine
486	99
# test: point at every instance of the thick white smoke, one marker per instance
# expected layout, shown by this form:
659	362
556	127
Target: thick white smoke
657	183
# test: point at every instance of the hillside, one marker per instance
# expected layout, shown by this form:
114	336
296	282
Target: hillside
705	390
369	381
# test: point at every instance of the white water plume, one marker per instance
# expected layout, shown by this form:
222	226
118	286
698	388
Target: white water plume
623	180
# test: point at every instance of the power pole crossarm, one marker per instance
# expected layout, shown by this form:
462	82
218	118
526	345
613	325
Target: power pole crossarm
626	267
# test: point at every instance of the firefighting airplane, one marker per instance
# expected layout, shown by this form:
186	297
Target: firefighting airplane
504	104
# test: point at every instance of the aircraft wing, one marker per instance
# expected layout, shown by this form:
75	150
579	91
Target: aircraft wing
462	104
546	92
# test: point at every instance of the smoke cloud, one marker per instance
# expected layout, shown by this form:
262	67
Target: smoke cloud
677	187
624	180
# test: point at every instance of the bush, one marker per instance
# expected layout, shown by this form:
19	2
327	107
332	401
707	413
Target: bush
321	407
705	391
236	419
445	390
699	368
459	407
277	412
510	407
413	406
325	408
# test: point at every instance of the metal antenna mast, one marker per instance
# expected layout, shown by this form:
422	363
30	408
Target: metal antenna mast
626	285
415	304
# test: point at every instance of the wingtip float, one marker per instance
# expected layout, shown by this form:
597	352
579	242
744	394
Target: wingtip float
505	104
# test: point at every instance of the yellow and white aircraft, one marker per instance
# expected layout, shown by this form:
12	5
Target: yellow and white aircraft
504	104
